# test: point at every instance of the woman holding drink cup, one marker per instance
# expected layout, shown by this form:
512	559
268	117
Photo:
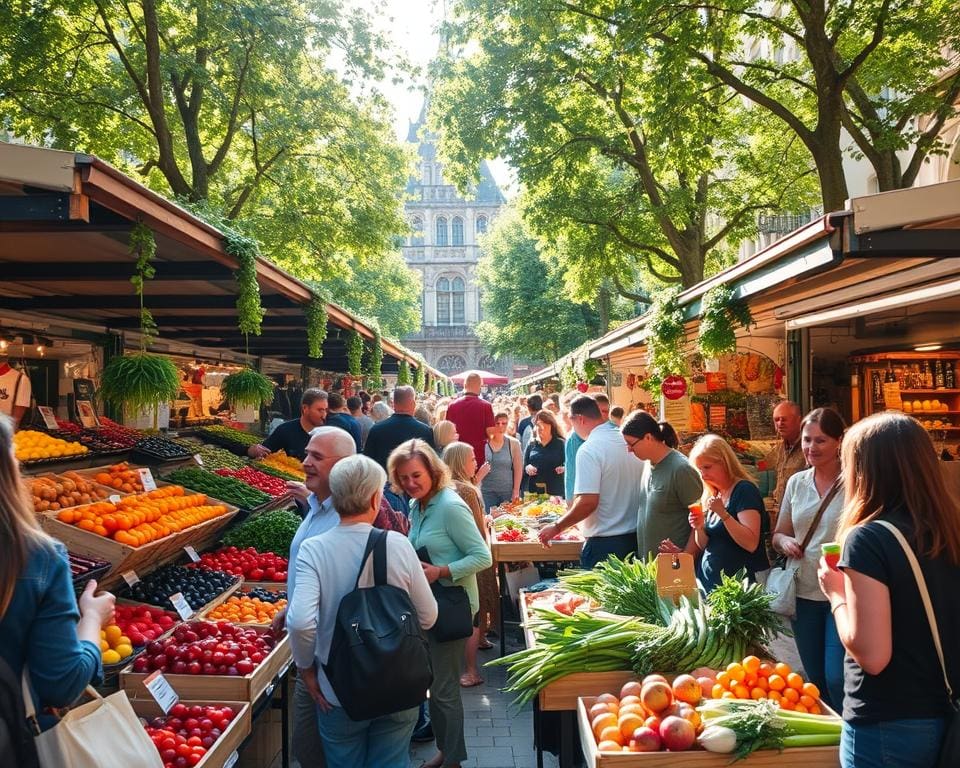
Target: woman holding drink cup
813	626
730	526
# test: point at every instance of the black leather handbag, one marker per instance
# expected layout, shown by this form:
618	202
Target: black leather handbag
454	617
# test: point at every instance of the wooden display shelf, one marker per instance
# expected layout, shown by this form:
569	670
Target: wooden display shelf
532	551
246	688
800	757
124	557
229	741
244	589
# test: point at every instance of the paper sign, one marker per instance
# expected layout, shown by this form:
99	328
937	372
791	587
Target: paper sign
891	395
677	412
198	458
130	577
88	416
49	417
192	553
718	416
182	606
114	498
716	381
161	690
146	477
231	759
675	576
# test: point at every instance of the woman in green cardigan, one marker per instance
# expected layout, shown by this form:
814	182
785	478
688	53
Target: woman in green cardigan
443	525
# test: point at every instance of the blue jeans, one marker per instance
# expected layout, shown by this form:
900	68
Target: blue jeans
598	548
892	744
820	649
383	742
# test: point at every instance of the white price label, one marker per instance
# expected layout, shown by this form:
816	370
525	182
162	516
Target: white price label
146	477
231	759
114	498
130	577
192	553
49	417
161	690
182	606
198	458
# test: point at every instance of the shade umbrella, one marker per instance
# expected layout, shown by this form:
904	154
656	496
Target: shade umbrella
488	379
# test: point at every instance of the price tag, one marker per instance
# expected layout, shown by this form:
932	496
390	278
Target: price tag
161	690
130	577
146	477
49	418
231	759
198	458
114	498
182	606
192	553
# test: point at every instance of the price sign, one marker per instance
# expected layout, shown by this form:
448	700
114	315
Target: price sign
192	553
130	577
49	418
182	606
161	690
198	458
114	498
146	477
231	759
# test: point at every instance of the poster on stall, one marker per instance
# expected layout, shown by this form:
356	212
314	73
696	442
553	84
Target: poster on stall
718	416
88	416
677	412
716	382
891	396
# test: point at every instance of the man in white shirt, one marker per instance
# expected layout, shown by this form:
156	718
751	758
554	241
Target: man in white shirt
606	490
15	392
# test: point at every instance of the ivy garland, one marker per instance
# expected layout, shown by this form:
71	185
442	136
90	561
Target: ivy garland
568	377
316	326
354	353
419	376
590	370
143	245
373	368
719	316
249	309
665	340
403	374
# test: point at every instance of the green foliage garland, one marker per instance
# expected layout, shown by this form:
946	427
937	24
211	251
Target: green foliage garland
665	340
247	388
374	362
144	247
568	377
419	376
403	374
249	309
719	316
354	353
316	326
139	382
590	370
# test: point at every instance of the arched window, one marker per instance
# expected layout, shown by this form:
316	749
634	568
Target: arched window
457	230
441	231
427	175
416	236
443	301
481	225
489	363
457	291
451	364
450	301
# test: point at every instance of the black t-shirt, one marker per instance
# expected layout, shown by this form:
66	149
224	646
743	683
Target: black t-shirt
723	555
386	435
546	458
911	685
290	437
347	423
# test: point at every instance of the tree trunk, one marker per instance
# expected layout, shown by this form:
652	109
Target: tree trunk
603	307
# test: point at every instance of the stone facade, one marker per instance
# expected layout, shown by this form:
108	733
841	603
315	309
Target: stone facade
443	249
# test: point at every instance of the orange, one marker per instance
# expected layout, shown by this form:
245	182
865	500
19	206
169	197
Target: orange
758	693
723	678
773	695
751	664
628	724
800	708
741	692
795	681
763	684
807	701
636	709
736	672
728	695
750	680
809	689
786	704
605	720
609	746
717	691
791	695
814	710
776	683
611	733
782	669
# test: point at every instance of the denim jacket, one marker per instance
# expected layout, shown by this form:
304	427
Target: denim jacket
39	629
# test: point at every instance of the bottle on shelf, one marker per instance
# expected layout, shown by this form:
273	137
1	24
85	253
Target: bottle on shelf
916	378
926	375
889	377
876	387
949	375
939	378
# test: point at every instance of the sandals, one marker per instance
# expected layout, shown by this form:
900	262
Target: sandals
469	681
485	645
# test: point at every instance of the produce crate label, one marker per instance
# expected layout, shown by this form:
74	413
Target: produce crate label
198	458
130	577
146	477
192	553
114	498
49	418
231	759
161	690
182	606
675	576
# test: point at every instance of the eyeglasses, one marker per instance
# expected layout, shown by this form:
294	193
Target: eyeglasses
631	446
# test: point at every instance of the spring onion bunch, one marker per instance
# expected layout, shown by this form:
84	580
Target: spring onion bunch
626	587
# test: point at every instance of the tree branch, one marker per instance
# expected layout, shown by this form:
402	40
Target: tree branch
878	32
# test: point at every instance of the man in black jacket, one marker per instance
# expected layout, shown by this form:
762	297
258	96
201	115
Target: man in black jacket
401	426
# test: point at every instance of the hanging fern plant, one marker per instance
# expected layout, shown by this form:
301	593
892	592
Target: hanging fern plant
354	353
139	382
403	374
373	369
665	341
143	246
568	377
249	309
590	370
316	326
247	389
719	318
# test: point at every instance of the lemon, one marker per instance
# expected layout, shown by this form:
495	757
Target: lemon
123	650
111	657
113	634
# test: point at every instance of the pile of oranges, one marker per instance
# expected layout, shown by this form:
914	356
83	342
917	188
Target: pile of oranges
246	610
114	645
140	519
120	477
756	679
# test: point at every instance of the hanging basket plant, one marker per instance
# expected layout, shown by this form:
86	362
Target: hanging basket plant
354	353
403	374
720	315
419	376
316	326
139	382
666	338
590	370
247	389
249	309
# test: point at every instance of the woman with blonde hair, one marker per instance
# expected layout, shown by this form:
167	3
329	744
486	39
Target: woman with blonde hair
463	467
895	707
452	551
41	627
444	433
730	528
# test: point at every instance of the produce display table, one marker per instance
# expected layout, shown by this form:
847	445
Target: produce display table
504	552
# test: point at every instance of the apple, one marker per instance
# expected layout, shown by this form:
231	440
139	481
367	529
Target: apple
677	734
644	739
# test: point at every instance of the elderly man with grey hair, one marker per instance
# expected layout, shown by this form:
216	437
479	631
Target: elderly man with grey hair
401	426
326	570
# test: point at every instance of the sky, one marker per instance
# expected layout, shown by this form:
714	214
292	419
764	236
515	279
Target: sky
412	25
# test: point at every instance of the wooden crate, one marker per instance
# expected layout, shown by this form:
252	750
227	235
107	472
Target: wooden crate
197	612
124	557
270	586
229	740
532	551
243	589
246	688
26	481
801	757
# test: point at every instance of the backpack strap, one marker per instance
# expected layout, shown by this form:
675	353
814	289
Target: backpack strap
380	558
371	543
